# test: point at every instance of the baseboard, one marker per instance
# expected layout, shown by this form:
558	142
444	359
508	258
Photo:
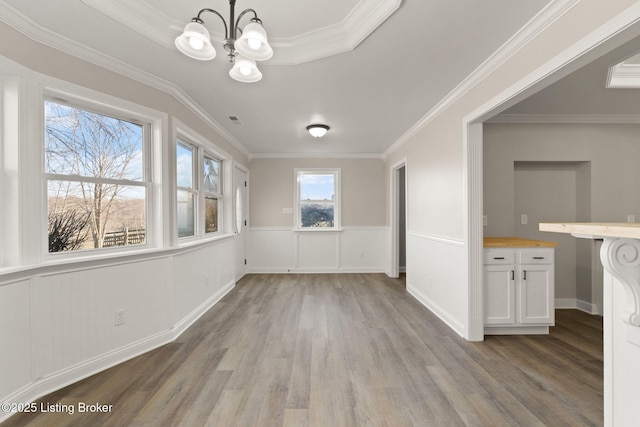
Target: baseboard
191	318
516	330
587	307
60	379
574	303
322	270
437	310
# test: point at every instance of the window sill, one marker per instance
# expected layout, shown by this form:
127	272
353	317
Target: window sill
318	230
11	274
197	242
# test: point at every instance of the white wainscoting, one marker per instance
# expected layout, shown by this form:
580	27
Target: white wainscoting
282	250
59	323
15	336
437	277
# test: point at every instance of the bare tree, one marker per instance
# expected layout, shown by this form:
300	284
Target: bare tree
67	230
97	153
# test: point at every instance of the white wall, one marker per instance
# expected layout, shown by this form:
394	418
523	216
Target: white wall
441	152
433	269
57	314
282	250
58	321
16	349
445	148
276	247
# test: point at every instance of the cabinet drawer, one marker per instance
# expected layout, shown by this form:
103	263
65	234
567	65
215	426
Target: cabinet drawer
538	256
499	256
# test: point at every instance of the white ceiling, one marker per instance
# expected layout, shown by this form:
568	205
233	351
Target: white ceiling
370	69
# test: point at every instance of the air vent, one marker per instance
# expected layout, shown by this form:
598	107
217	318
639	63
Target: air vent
234	119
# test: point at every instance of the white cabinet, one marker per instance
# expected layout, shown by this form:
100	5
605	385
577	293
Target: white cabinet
518	290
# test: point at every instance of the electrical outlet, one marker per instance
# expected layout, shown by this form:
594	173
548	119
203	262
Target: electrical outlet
631	218
119	318
523	219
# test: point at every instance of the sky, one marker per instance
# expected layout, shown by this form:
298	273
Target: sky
317	187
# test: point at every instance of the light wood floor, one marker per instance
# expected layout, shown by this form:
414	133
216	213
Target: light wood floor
344	350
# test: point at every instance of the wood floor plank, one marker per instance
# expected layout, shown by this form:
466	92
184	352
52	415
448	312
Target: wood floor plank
343	350
296	418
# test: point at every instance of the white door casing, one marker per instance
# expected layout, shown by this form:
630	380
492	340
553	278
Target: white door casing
240	222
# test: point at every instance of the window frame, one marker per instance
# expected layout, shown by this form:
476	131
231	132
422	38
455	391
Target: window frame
150	140
193	191
297	210
219	195
201	150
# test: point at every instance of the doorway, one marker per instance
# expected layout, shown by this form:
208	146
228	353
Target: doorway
240	214
624	29
398	219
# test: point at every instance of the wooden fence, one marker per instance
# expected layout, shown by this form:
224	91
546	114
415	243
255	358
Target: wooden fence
124	237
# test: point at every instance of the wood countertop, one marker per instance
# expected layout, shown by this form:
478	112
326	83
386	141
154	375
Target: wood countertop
594	229
516	242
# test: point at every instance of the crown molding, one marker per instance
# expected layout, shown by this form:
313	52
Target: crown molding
145	19
48	38
254	156
334	39
548	15
567	118
624	76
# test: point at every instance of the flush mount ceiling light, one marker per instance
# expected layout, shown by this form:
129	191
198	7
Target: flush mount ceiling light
251	46
318	131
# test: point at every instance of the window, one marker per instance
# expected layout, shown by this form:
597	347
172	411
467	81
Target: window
199	191
318	199
186	196
212	194
96	179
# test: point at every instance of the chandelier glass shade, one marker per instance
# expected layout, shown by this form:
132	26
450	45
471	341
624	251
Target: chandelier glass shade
253	43
243	51
245	70
195	42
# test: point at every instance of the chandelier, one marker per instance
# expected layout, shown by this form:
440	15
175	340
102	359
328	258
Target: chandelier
243	52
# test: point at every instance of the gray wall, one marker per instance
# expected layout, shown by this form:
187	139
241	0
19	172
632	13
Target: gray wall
273	185
571	172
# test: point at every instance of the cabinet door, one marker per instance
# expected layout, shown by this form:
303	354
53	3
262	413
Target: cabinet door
499	296
536	294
